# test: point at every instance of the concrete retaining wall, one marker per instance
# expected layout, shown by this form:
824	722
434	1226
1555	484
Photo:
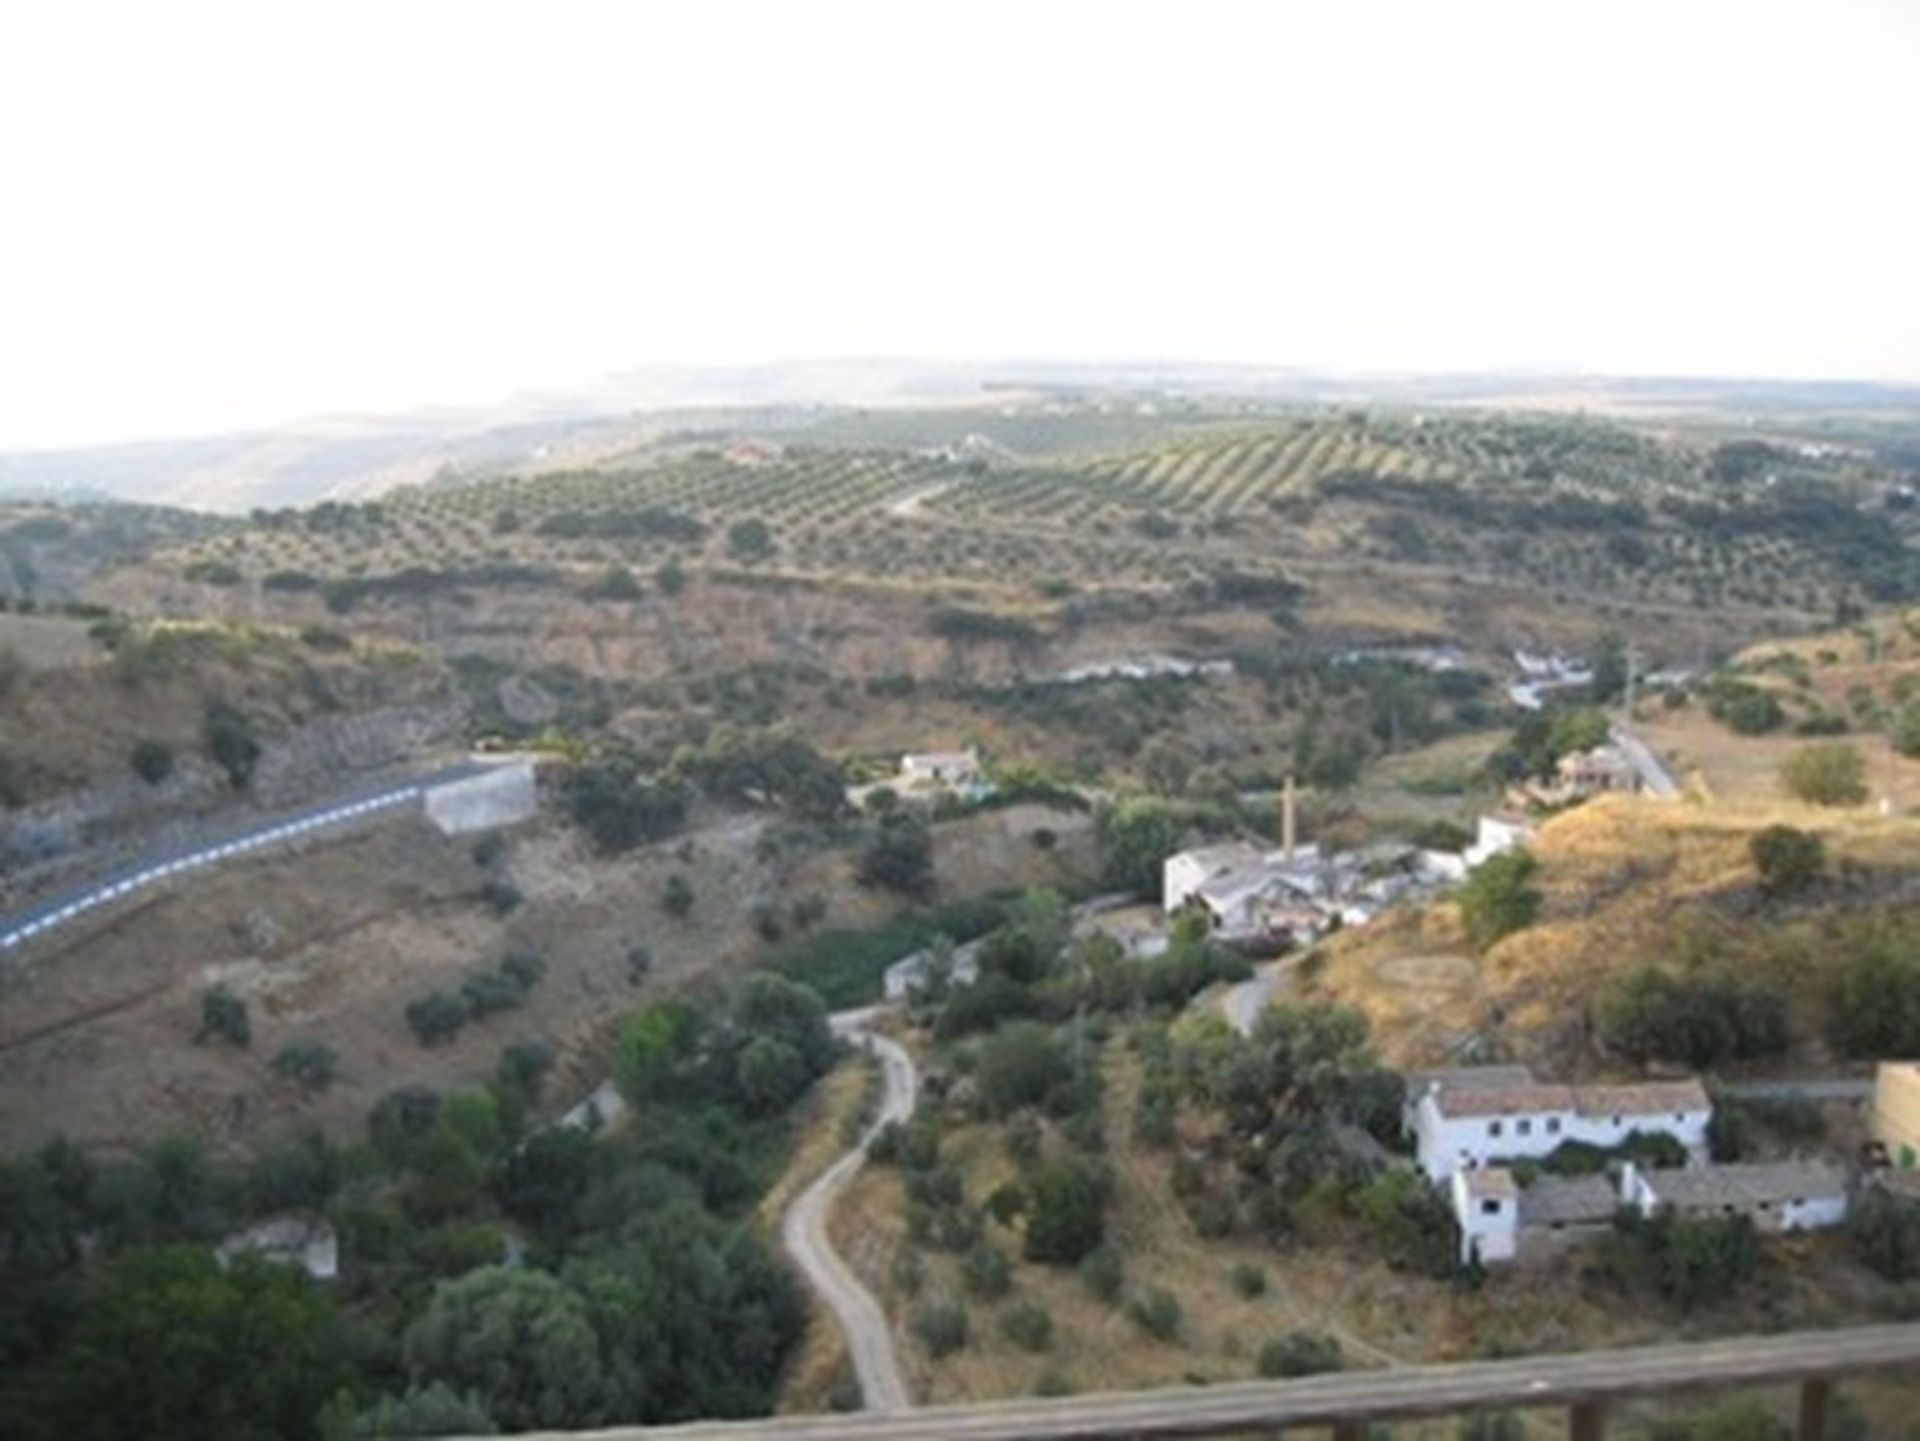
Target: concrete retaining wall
498	797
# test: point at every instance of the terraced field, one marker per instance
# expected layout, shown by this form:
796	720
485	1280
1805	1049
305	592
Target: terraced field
1588	511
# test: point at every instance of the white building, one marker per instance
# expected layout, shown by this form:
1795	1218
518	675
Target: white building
1487	1206
1185	872
1468	1119
1496	834
957	771
1774	1195
287	1241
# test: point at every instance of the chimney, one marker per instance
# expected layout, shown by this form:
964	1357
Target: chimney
1287	836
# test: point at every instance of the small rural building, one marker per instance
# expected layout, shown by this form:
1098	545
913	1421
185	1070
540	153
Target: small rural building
1487	1206
957	771
1895	1119
287	1241
1466	1120
1185	872
1774	1195
1495	834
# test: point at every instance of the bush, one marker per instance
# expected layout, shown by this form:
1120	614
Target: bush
1701	1021
639	962
899	855
677	898
501	897
224	1014
1886	1234
525	969
231	743
1020	1064
1876	1004
1066	1215
941	1327
436	1017
1028	1326
1157	1312
1831	773
310	1063
1497	899
1103	1274
1300	1353
1249	1281
523	1067
152	761
1493	1426
750	539
985	1272
487	992
1787	859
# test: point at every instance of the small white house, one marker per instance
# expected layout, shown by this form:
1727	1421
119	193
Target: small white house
1487	1205
1774	1195
1468	1120
1496	834
1185	872
957	771
287	1241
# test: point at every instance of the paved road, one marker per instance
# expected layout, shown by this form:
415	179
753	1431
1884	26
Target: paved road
803	1231
1654	775
1243	1003
1413	1391
285	826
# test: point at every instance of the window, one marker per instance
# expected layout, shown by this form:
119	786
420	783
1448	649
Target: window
1553	1125
1523	1126
1490	1207
1493	1128
1616	1121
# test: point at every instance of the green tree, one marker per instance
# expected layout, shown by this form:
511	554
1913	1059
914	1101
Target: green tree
1828	773
1066	1213
1020	1064
152	761
899	855
1609	668
310	1064
518	1341
750	539
1136	837
1905	731
421	1411
1788	860
1876	1004
677	899
1300	1353
1886	1233
224	1014
231	742
172	1345
1498	900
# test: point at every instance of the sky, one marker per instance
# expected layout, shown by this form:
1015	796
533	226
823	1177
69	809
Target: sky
218	215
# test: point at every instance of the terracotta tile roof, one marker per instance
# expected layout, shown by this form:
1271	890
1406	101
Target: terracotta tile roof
1763	1183
1503	1100
1642	1098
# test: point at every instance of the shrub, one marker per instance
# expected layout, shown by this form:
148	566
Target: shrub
1701	1020
1066	1217
1249	1281
1787	859
899	855
985	1273
502	897
1020	1064
523	1067
152	761
941	1327
1493	1426
1157	1312
1028	1326
310	1063
639	962
1300	1353
750	539
1886	1234
1103	1273
487	992
1876	1003
436	1017
231	743
671	578
1497	899
525	969
224	1014
677	898
1830	773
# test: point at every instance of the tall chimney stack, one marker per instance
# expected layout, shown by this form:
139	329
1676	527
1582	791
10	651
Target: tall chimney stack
1287	836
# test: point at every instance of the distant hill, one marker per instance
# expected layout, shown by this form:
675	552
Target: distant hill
357	457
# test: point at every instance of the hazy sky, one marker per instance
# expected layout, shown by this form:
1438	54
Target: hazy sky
228	213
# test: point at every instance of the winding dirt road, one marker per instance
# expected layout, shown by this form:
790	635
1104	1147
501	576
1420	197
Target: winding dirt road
803	1230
